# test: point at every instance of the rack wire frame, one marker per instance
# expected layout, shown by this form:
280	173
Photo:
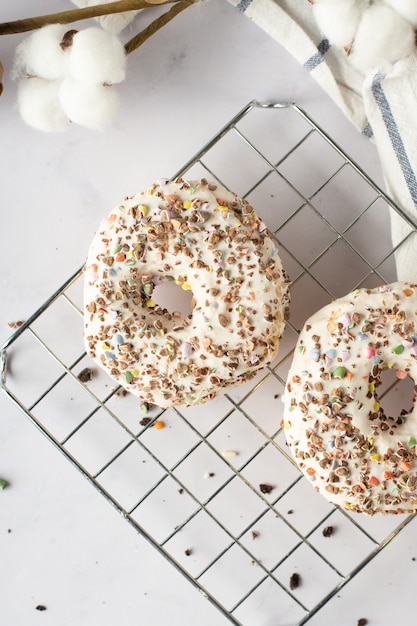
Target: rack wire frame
258	579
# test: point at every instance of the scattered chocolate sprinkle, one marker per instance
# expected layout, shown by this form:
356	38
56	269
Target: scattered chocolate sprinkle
145	421
41	607
276	396
294	580
254	534
180	491
328	531
264	488
362	621
188	552
17	324
290	511
85	375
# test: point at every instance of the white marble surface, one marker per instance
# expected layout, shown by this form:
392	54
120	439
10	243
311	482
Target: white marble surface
67	549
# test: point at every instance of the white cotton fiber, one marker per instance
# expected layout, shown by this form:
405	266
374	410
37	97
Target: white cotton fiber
41	55
97	57
39	104
90	105
338	20
406	8
383	36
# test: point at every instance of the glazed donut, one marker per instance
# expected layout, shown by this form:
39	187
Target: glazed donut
353	453
210	243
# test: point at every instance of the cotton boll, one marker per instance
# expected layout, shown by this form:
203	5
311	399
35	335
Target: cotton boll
406	8
382	36
39	104
339	20
41	54
97	56
91	105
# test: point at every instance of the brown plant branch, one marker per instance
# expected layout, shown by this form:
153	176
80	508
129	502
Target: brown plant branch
66	17
160	21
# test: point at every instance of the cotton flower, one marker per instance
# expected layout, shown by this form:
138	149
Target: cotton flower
338	20
382	36
88	104
41	54
97	56
39	105
406	8
68	76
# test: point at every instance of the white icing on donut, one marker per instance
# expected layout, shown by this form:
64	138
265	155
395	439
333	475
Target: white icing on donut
212	244
354	454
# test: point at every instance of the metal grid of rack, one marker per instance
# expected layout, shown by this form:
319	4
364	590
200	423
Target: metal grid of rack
215	490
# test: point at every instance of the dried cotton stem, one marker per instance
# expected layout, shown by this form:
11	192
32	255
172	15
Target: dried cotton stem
150	30
66	17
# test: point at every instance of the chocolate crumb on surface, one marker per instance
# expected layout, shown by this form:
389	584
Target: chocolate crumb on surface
85	375
294	580
264	488
362	621
145	421
188	552
41	607
254	534
14	325
328	531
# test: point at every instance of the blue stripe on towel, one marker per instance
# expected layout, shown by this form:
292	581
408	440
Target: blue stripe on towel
243	5
394	135
317	58
367	131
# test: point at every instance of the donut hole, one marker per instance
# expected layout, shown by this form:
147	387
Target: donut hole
168	295
396	396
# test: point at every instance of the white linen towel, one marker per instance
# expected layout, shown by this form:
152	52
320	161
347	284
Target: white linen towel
382	105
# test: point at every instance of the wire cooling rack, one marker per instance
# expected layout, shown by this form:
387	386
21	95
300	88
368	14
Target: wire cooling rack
215	490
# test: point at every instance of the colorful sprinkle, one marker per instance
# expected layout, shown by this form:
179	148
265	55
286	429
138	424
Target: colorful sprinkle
128	376
369	352
315	354
398	349
345	320
339	372
373	481
159	424
401	374
405	465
